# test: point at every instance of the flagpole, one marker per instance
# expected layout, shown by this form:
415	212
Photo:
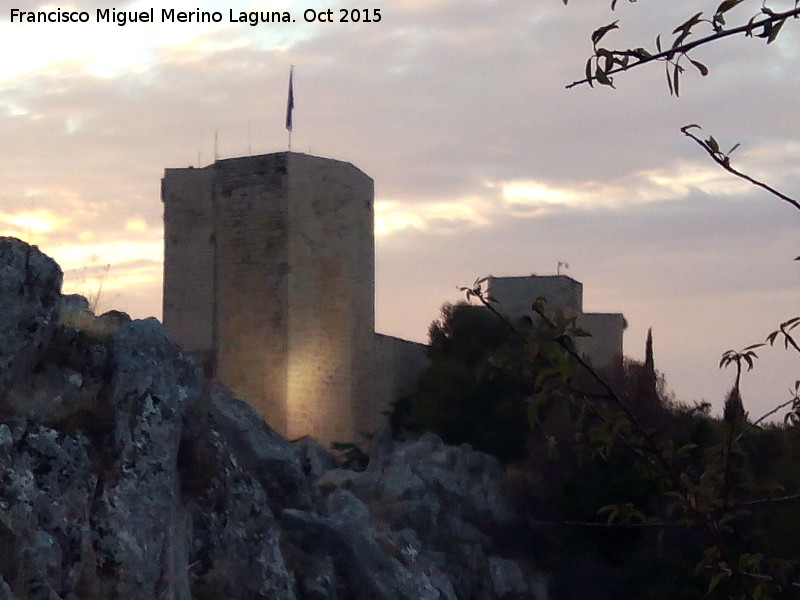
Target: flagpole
290	105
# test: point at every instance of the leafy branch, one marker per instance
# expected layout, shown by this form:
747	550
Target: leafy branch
723	159
605	62
747	355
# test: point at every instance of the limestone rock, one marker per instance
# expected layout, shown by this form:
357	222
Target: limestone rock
233	537
314	459
6	593
260	451
30	293
138	521
442	508
124	475
46	493
234	540
74	303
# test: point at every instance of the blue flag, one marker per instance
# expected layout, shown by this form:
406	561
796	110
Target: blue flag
290	101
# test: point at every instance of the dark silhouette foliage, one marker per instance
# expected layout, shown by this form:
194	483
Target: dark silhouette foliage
464	395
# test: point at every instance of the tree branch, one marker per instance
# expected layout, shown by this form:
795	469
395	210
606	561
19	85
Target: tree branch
768	414
723	160
684	48
762	501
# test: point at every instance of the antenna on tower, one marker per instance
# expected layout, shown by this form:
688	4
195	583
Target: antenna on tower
216	146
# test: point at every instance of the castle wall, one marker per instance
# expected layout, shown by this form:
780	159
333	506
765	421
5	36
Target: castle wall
252	290
331	297
517	294
400	364
604	346
188	259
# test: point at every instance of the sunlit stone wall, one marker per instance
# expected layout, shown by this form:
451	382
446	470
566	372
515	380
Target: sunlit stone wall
331	296
269	268
251	275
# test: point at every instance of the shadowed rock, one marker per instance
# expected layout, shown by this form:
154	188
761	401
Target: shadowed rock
30	293
124	475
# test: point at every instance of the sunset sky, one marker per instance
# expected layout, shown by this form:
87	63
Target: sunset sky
483	162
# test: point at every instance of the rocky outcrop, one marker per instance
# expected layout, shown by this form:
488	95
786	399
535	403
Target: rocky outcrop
125	475
30	293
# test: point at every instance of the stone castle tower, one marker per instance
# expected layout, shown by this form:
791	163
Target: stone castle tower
603	347
269	281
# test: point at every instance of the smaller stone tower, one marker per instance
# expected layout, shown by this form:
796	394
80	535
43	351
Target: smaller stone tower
516	294
269	281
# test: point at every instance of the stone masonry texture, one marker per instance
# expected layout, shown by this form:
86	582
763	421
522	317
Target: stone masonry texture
269	281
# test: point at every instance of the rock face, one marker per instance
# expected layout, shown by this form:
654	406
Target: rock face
124	475
30	292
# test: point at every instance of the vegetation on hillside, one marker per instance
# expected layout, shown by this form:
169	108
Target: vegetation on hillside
623	486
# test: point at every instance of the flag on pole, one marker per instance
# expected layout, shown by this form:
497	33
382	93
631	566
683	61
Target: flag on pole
290	100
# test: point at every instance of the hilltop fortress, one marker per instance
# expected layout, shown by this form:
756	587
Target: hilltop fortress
269	282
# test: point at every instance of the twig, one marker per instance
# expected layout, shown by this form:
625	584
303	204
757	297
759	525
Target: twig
762	501
684	48
769	414
723	161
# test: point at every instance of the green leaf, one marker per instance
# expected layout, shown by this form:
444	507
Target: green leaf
588	71
712	144
611	509
685	449
700	67
715	581
727	5
774	31
679	40
669	80
600	32
685	27
750	23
